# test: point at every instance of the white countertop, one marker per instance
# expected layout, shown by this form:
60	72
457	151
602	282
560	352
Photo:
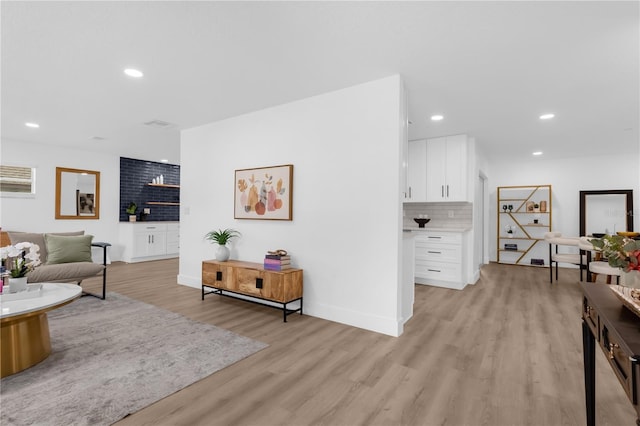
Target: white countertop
53	295
439	228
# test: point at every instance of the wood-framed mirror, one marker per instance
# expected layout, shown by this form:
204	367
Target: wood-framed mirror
77	194
606	211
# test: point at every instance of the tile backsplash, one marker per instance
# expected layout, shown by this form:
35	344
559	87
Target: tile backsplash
439	213
134	177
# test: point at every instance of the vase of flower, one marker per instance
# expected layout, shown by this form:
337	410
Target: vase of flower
221	238
630	278
17	284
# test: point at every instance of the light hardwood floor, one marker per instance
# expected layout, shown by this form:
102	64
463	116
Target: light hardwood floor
507	351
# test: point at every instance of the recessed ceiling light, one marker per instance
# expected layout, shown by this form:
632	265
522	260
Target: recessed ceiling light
546	116
133	73
32	125
537	153
437	117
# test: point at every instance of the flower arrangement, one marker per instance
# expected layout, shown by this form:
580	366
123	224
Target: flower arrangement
24	257
621	252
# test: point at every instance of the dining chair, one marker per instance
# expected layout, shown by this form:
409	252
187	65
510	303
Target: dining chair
555	239
594	264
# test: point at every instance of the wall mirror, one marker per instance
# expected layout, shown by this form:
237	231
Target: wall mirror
606	211
77	194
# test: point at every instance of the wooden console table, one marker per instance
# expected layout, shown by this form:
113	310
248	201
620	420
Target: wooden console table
617	330
235	277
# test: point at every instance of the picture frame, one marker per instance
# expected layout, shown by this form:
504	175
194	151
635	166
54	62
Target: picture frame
264	193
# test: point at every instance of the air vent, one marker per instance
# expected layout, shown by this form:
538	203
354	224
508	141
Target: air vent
158	124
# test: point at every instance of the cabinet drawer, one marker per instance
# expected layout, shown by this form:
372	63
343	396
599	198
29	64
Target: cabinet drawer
438	270
439	237
620	362
218	276
438	252
279	287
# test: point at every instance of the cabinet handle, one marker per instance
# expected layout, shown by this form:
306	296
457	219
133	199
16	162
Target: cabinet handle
447	191
434	252
442	190
148	239
435	238
409	192
434	270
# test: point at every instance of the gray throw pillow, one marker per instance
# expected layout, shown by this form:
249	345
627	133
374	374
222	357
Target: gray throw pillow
68	249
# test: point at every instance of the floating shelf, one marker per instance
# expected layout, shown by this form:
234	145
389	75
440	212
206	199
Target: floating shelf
162	203
163	185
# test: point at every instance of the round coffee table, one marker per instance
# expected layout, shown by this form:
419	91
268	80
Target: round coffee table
25	328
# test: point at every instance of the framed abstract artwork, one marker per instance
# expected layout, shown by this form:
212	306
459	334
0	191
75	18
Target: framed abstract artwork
264	193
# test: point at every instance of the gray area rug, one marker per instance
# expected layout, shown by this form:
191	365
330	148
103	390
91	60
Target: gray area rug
113	357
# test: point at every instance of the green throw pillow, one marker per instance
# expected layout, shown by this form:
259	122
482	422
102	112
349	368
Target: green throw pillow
67	249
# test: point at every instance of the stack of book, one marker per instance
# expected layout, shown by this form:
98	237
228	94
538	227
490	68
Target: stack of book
276	262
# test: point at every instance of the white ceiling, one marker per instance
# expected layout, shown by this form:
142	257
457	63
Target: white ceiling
491	68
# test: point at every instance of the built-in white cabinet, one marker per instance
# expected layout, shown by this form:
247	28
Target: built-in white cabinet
417	170
447	168
440	259
149	240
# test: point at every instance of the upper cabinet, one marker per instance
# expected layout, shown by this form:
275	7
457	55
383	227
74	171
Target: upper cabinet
438	169
447	166
417	171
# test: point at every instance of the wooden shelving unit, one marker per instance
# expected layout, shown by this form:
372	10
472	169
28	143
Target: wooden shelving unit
520	219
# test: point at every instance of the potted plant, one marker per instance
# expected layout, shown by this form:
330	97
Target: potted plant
131	211
222	237
21	263
536	208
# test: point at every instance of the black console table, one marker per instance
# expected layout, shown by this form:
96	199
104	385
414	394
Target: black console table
616	329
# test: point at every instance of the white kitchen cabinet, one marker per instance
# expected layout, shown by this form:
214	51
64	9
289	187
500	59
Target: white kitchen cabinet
446	169
149	240
440	259
417	171
173	238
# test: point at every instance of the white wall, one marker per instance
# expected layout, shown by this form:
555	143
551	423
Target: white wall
567	177
345	233
38	214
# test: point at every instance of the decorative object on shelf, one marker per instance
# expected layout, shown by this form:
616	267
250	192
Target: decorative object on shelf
510	208
536	208
222	237
131	211
277	260
23	258
535	221
504	208
511	247
264	193
543	206
530	205
537	262
509	229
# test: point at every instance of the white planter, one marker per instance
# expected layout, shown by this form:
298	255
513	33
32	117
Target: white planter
630	279
17	284
222	253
